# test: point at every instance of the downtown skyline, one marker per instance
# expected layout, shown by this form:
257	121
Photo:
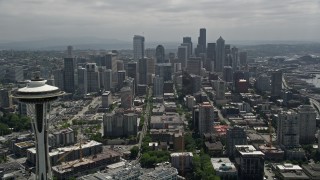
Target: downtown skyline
166	21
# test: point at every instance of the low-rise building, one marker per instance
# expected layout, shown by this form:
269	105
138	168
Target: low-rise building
290	172
312	170
182	160
224	168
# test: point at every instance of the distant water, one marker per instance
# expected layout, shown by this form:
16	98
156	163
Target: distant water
315	81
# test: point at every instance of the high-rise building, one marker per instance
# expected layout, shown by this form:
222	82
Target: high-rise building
106	99
202	42
160	54
307	123
288	129
211	56
69	66
132	70
107	77
250	163
143	63
183	55
220	87
119	124
164	70
263	83
130	127
58	76
276	83
121	78
243	58
157	86
220	55
206	118
82	80
150	69
227	74
70	51
138	47
234	55
5	98
126	97
93	78
235	136
187	40
194	66
38	95
150	53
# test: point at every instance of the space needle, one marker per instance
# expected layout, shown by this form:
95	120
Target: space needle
37	95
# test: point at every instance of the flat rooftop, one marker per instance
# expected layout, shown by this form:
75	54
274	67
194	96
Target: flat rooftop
248	150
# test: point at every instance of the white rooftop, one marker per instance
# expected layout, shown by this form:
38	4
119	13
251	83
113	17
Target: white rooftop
248	150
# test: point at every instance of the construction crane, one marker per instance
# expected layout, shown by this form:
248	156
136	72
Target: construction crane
67	153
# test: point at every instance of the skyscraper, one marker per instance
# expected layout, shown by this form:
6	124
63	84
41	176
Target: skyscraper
220	55
160	54
82	80
243	58
183	55
206	118
107	84
194	66
93	78
121	78
164	70
187	40
38	95
58	76
138	47
276	83
143	70
202	42
307	124
235	136
234	55
70	51
288	129
69	66
211	56
157	86
132	70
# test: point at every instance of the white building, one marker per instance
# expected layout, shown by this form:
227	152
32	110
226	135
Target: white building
224	168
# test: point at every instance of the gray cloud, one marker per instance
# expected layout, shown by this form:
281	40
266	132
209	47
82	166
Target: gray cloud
165	20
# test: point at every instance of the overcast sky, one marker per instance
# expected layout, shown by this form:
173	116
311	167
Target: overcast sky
160	20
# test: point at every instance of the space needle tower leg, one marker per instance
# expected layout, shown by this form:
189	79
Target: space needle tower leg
40	126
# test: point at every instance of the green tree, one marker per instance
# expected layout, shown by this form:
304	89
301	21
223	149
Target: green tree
134	152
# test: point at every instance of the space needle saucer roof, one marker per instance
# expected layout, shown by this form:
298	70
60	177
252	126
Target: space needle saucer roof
38	89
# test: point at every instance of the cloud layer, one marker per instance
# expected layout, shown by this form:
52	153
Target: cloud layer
165	20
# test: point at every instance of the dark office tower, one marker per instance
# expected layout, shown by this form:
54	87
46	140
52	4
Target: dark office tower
183	55
70	52
235	136
138	47
58	76
211	55
276	83
93	78
160	55
107	76
82	80
143	70
228	48
234	54
121	78
110	62
243	58
220	55
201	47
187	40
227	74
194	66
164	70
132	70
69	65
